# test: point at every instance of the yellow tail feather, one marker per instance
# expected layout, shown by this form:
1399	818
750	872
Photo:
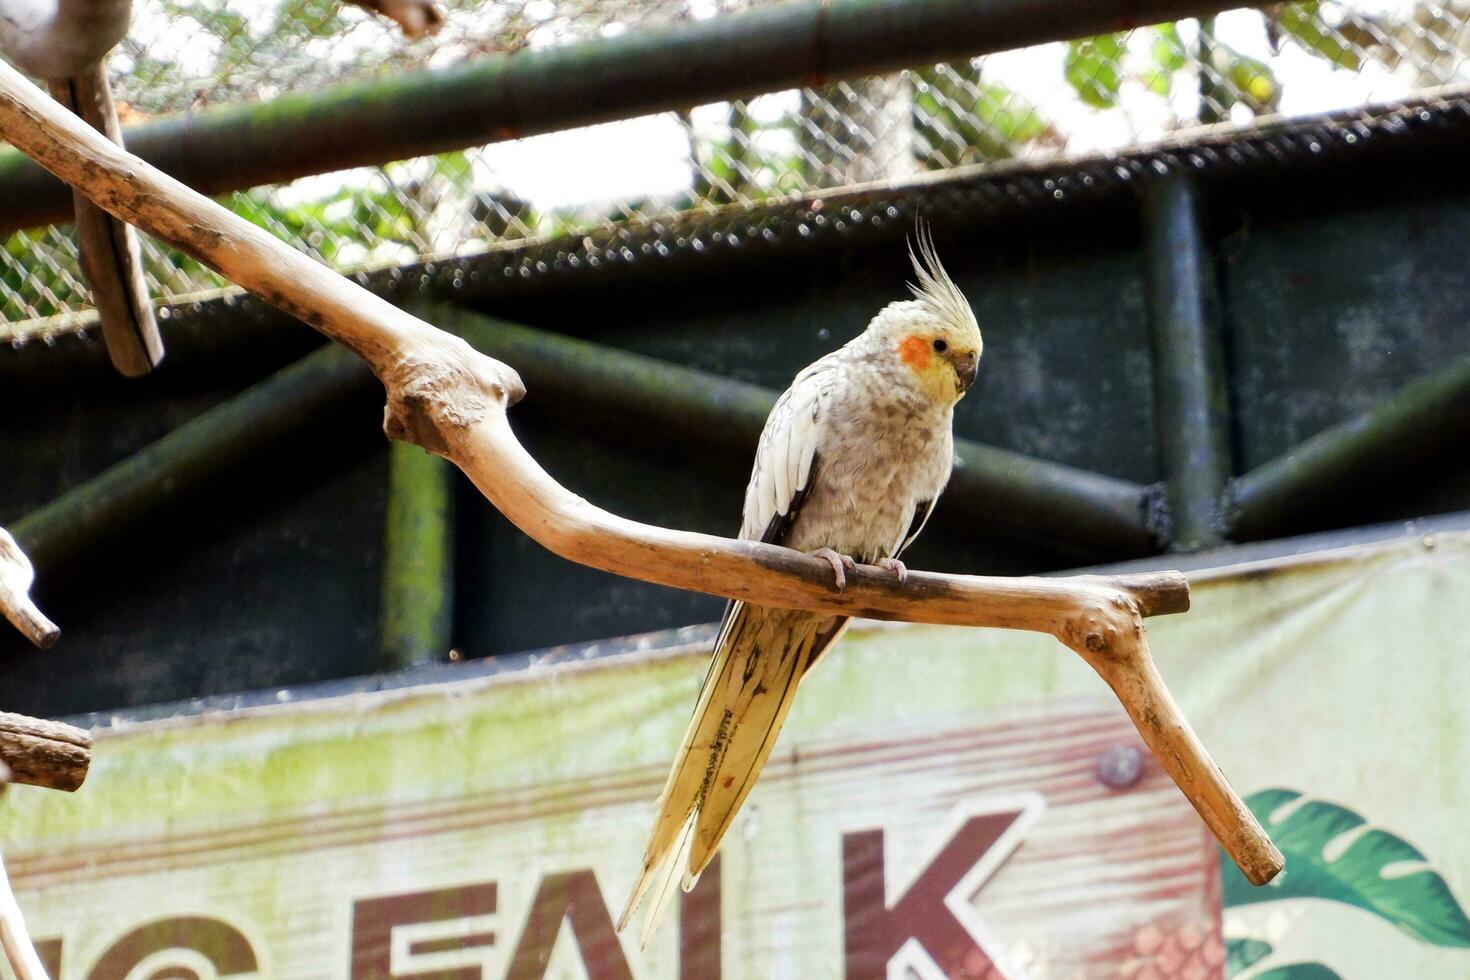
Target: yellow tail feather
760	658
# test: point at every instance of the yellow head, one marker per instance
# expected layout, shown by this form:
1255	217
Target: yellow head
935	335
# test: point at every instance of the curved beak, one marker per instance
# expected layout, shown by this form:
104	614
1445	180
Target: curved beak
965	366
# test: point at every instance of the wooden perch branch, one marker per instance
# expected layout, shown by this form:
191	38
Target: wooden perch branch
37	752
16	576
451	400
66	42
110	258
19	950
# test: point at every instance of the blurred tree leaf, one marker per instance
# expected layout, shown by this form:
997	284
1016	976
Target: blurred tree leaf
1168	55
1247	80
1169	51
962	119
1094	67
1008	116
1303	22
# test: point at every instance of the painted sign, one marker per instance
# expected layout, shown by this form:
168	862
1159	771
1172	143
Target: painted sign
943	803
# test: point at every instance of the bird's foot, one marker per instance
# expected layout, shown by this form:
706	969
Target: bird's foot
841	565
894	567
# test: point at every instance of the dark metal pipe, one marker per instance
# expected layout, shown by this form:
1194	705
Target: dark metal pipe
1018	496
498	97
218	442
1190	398
418	559
1424	419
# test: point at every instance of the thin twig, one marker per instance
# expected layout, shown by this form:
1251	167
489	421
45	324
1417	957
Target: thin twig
452	400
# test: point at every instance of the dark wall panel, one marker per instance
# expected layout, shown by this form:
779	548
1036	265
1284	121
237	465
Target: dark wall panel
271	585
1066	371
1336	299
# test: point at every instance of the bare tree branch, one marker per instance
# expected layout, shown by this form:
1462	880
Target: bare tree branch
66	42
448	398
111	261
16	576
19	950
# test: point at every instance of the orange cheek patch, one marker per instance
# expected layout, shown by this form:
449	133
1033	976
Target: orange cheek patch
914	351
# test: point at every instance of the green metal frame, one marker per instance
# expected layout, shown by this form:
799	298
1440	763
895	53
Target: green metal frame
1423	420
506	96
215	445
418	559
1192	417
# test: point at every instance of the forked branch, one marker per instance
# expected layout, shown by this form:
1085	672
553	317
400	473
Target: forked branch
448	398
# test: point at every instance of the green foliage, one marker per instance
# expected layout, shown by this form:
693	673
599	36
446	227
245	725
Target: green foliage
1094	67
1371	874
277	43
28	287
1303	22
962	119
1251	82
1169	56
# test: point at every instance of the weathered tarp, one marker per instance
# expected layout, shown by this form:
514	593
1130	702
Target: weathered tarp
943	802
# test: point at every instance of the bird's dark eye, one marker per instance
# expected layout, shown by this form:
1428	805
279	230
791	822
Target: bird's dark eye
940	346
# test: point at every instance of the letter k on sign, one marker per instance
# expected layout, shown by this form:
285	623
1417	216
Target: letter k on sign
931	920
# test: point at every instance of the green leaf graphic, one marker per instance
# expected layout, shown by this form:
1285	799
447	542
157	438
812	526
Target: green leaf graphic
1241	954
1418	902
1298	971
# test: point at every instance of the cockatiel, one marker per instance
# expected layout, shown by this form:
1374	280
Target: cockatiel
852	458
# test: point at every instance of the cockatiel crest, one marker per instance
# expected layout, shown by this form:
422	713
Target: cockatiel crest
849	466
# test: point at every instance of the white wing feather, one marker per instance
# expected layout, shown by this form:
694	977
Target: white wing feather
788	449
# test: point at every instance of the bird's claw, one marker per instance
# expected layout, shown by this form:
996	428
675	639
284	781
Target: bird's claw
841	565
894	567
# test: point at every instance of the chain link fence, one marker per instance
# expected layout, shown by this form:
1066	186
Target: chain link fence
1041	104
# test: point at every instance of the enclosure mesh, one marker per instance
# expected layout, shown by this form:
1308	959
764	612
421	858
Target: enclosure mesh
1032	107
